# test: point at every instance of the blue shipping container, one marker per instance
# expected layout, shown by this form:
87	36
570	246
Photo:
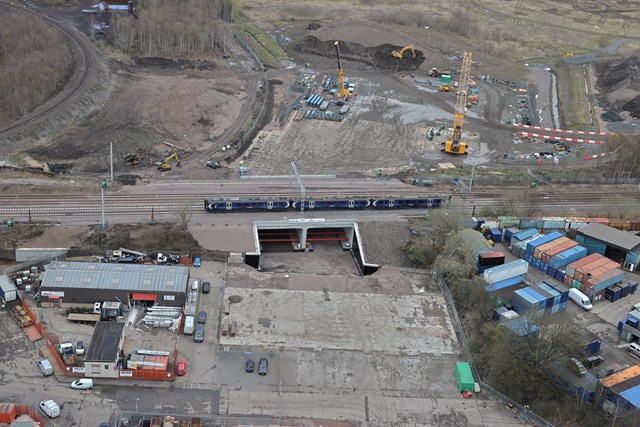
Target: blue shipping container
531	246
543	267
551	271
531	223
565	258
496	235
559	276
524	234
593	246
542	299
508	233
606	283
503	284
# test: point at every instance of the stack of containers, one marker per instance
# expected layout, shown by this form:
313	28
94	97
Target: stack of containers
550	253
559	261
532	245
519	241
630	326
593	274
502	314
495	235
530	302
603	221
506	271
523	235
537	261
613	293
520	326
506	236
571	268
555	304
487	260
501	293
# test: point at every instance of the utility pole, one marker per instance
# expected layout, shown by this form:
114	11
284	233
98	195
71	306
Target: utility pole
111	157
294	168
102	188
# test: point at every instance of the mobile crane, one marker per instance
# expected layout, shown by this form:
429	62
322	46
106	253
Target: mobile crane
453	144
342	92
165	166
399	54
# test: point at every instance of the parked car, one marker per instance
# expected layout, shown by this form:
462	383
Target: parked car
80	348
263	366
199	334
249	365
196	261
605	372
181	368
634	348
202	317
50	408
592	361
206	287
82	384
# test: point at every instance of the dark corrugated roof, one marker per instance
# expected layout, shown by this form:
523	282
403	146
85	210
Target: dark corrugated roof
613	236
104	342
116	276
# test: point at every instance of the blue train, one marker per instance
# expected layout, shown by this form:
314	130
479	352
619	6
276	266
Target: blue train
278	205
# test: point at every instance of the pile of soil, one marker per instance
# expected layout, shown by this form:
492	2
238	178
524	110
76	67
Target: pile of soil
379	56
142	237
619	85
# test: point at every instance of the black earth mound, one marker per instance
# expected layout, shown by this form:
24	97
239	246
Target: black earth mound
619	85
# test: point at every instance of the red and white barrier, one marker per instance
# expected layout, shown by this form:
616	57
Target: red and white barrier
595	156
579	132
559	138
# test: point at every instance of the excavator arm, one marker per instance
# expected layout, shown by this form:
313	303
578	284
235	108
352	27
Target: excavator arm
399	54
453	144
165	166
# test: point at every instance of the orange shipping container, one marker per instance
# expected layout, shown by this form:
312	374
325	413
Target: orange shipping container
537	253
581	272
603	221
547	255
621	376
584	261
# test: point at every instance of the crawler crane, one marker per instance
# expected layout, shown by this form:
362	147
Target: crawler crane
342	92
453	144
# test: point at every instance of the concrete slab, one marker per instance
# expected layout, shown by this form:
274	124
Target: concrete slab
409	324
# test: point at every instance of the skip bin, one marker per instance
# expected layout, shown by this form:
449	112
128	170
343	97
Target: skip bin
464	377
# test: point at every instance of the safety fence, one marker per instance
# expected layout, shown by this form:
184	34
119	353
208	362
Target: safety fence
33	317
24	410
524	412
72	371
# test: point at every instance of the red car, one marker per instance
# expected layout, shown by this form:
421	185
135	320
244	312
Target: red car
181	367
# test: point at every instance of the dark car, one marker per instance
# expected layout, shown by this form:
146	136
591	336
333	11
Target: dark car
249	365
263	366
605	372
202	317
592	361
198	336
206	287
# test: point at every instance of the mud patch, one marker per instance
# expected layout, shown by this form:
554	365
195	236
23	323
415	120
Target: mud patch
619	86
156	63
378	56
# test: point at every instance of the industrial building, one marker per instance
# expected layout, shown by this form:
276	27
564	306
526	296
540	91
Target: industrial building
87	282
104	351
621	391
615	244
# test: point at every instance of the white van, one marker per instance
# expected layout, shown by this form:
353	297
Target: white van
45	367
50	408
188	325
634	349
580	299
82	384
195	284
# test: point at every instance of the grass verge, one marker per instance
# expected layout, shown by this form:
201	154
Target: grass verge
267	49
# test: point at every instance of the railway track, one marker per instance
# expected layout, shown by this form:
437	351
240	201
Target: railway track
85	71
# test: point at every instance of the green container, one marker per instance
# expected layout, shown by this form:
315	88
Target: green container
508	222
576	284
445	78
464	377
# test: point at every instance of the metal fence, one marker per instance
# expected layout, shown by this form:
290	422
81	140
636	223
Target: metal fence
523	412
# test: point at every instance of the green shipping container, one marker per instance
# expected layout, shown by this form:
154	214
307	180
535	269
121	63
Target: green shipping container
464	377
508	222
576	284
445	78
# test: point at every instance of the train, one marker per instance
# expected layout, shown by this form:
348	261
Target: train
279	205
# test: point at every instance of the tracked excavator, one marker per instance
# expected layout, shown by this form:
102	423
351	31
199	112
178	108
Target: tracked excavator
399	54
164	165
453	145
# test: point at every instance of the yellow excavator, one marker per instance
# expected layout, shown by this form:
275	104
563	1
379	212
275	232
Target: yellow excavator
165	166
342	92
453	144
399	54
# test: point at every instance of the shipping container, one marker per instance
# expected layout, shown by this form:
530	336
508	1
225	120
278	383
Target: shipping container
506	271
490	223
547	255
464	377
568	257
496	235
603	221
620	224
540	250
600	283
504	296
579	263
593	347
8	290
582	273
525	234
503	284
559	275
521	326
635	225
612	293
528	302
531	246
553	223
497	312
625	288
508	222
508	315
508	233
491	259
531	223
575	223
551	272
